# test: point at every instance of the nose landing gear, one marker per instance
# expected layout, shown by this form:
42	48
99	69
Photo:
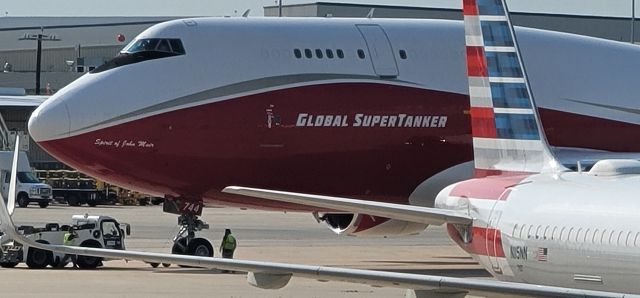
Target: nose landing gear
185	242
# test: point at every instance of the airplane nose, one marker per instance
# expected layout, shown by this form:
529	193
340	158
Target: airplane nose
49	121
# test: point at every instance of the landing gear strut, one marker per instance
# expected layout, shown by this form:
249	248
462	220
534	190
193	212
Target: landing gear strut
186	242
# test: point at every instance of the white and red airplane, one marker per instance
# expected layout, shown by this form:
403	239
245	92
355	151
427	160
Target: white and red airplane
525	217
345	107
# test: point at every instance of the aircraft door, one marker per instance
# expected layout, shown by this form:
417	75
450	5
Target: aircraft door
494	239
380	50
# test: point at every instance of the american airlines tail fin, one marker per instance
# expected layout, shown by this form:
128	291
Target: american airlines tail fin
507	133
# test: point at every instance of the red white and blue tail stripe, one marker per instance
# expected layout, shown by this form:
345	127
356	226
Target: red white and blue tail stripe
507	134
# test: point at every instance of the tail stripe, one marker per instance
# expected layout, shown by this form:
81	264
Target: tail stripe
490	7
503	65
469	8
476	63
480	90
483	123
473	32
497	34
510	95
506	131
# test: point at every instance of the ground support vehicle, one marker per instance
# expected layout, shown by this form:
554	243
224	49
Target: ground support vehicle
128	197
29	189
92	231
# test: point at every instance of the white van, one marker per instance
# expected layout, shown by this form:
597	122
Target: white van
29	188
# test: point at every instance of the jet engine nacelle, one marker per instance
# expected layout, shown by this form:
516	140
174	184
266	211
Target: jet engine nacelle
367	225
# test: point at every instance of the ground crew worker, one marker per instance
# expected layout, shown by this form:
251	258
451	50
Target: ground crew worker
228	245
68	240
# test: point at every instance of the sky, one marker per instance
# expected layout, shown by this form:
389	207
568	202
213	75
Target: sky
620	8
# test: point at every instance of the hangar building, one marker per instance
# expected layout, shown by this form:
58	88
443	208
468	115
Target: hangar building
71	47
79	45
614	28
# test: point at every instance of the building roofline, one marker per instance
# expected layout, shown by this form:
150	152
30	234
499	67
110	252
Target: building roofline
78	26
149	21
447	10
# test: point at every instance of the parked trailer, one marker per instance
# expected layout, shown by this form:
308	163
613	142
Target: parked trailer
75	189
92	231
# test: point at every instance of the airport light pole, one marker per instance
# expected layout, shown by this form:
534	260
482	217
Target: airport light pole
280	8
633	21
40	37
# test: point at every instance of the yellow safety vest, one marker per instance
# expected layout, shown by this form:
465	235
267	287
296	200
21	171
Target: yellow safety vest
229	243
68	239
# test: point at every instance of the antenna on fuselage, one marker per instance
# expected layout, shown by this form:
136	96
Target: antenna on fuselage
370	14
246	13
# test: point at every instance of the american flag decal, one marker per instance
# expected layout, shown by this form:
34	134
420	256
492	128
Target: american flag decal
542	255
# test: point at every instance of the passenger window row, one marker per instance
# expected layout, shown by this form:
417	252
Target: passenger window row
329	54
318	53
577	235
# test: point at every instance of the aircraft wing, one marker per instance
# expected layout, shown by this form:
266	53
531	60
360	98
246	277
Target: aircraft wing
21	101
269	275
431	216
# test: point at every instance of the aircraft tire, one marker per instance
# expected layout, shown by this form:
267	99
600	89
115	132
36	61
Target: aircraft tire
179	248
72	200
38	258
200	247
86	262
8	264
23	200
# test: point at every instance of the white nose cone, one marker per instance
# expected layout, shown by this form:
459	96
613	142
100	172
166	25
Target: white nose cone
49	121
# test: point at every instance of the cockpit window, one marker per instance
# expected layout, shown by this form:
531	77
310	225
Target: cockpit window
155	44
142	45
163	46
176	46
144	49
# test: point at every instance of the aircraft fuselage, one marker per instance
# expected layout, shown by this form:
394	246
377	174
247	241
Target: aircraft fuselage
346	107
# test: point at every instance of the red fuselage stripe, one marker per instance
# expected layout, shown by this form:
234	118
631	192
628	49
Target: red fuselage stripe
198	151
469	8
484	241
367	222
476	63
489	188
481	173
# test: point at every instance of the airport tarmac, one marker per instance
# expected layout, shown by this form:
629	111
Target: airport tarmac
262	235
